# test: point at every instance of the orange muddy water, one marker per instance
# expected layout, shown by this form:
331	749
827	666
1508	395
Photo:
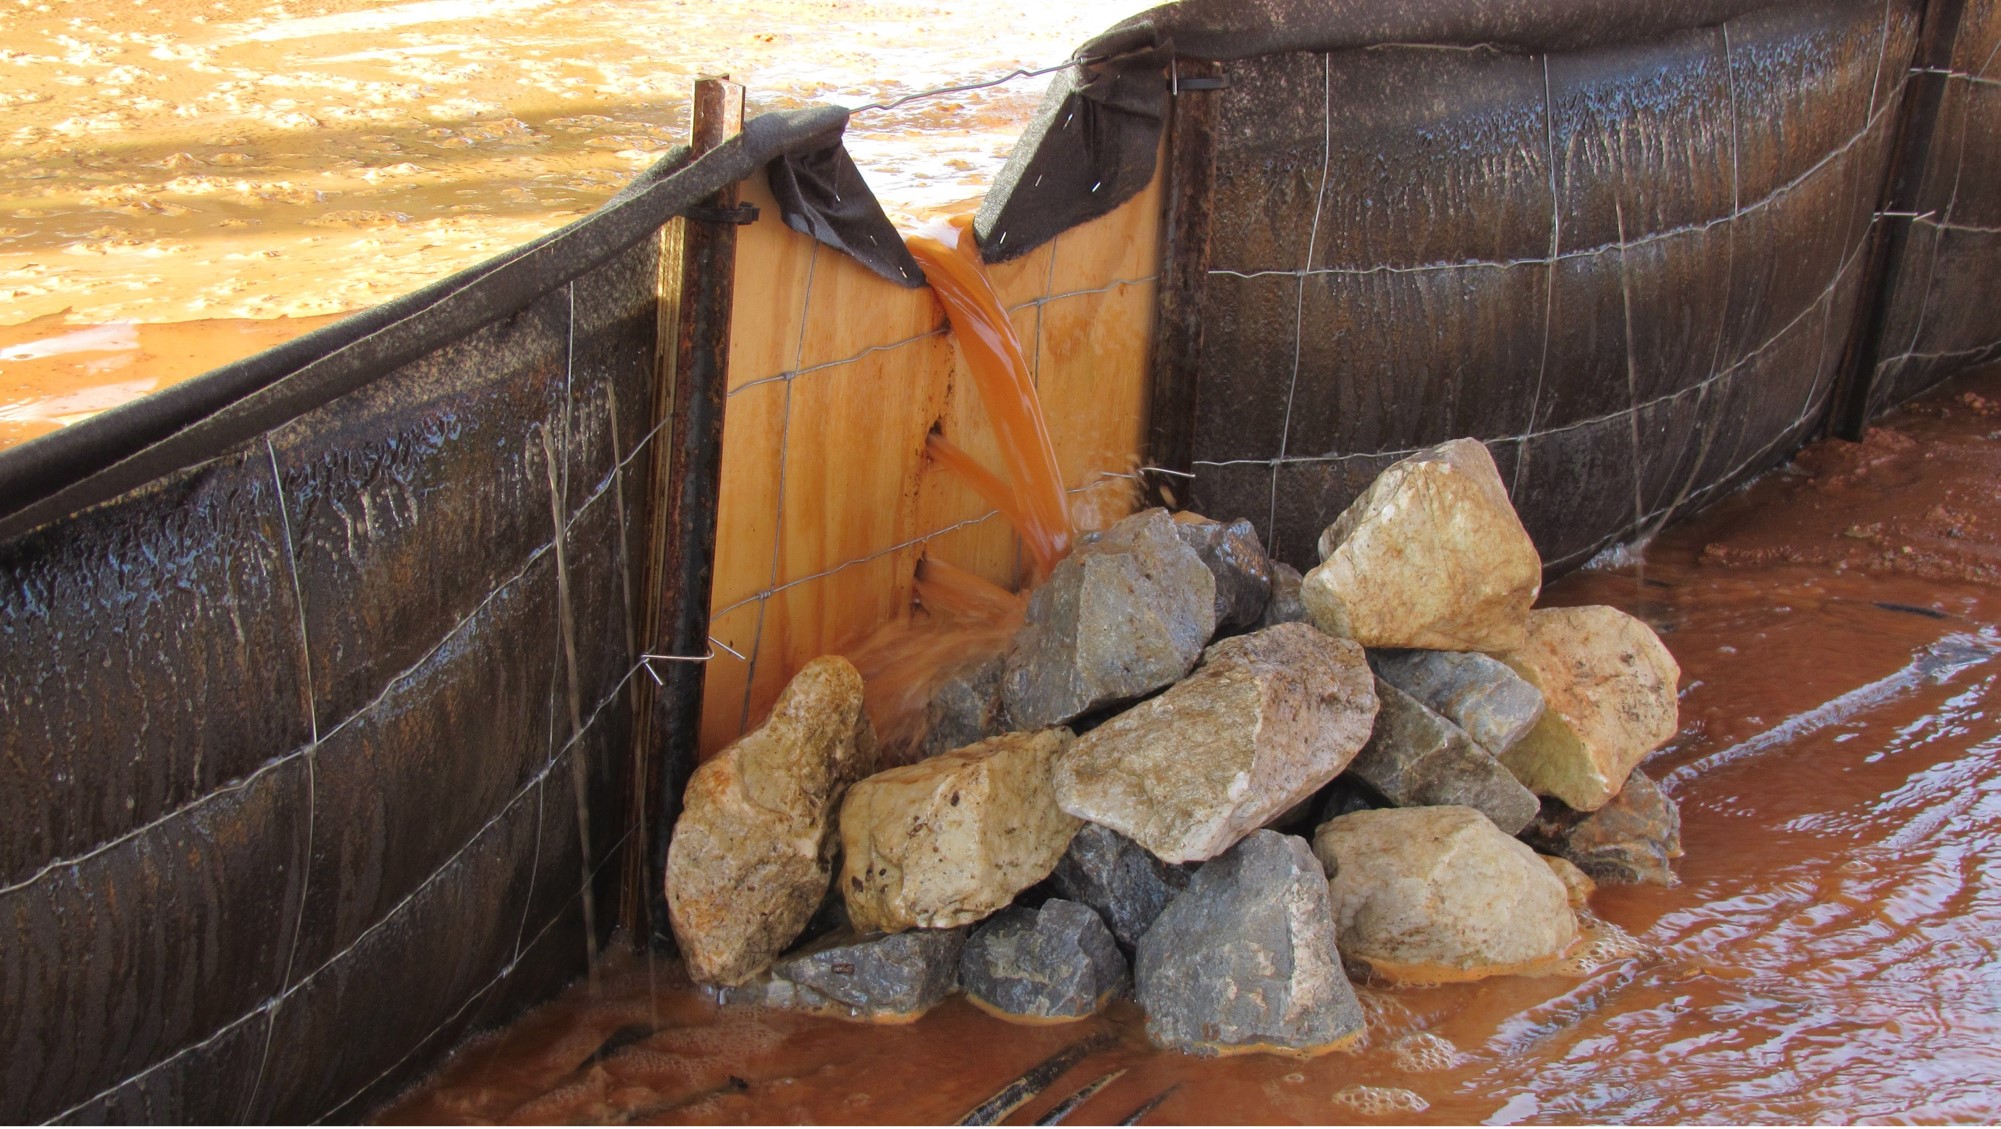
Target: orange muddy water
1831	952
204	163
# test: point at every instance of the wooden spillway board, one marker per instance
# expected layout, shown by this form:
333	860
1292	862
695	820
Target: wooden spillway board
837	376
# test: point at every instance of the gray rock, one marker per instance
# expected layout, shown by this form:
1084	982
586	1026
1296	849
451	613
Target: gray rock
1285	606
1055	962
965	707
1416	758
1266	722
1245	958
1478	693
1118	878
1237	560
766	990
886	978
1124	615
1631	839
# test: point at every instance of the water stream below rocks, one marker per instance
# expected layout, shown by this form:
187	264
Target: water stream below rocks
1830	950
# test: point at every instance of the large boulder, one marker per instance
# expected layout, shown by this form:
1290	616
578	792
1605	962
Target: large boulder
1478	693
1125	614
1236	558
1415	758
1431	555
1265	721
1608	690
1245	958
949	840
889	978
752	850
1632	838
1118	878
1053	962
1440	893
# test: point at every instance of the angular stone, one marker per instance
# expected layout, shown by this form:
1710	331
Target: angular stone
885	978
766	990
1416	758
1245	958
1478	693
1266	721
1119	879
949	840
1237	560
1630	839
752	851
1122	616
1440	892
1054	962
965	707
1285	606
1431	555
1608	690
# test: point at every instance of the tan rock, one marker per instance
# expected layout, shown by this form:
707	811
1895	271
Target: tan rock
950	840
752	851
1440	893
1431	555
1608	688
1577	884
1266	720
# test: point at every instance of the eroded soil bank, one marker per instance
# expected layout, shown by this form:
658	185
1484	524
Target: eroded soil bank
1832	950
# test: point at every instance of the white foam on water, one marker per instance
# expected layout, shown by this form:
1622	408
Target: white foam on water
1424	1053
1380	1101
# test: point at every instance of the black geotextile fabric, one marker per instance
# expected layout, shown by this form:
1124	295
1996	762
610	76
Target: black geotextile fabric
121	449
822	194
316	676
1630	268
1945	308
1091	146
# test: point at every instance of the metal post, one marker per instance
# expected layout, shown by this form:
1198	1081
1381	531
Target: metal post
697	282
1903	179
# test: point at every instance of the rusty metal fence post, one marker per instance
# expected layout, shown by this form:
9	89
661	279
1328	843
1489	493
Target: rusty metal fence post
1903	180
697	282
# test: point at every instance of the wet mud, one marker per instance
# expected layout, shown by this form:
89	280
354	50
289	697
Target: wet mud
213	162
1831	951
53	373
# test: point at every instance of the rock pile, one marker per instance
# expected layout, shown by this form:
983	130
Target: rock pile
1107	806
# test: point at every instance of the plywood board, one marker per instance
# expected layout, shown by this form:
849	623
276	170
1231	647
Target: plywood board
828	498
